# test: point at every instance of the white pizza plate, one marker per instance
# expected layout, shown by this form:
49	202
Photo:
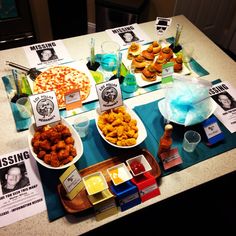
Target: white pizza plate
78	145
141	82
162	108
80	67
142	133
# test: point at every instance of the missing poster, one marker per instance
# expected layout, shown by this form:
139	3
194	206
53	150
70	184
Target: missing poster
46	54
21	192
224	94
128	34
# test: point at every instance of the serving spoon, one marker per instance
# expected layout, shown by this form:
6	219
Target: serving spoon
32	72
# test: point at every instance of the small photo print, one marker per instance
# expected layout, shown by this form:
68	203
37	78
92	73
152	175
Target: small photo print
14	177
225	101
48	54
128	37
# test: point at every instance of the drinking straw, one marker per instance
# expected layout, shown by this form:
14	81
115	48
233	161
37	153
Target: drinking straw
92	52
177	36
119	64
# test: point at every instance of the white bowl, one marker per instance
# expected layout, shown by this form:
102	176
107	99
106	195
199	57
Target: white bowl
77	144
119	174
163	109
140	159
95	183
142	133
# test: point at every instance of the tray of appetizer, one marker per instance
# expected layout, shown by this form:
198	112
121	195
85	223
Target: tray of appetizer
81	202
147	61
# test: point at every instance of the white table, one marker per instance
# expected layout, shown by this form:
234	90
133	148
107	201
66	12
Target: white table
206	53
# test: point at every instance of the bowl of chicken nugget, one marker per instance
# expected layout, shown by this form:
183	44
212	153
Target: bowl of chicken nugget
56	145
121	127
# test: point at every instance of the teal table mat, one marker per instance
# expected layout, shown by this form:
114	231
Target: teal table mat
97	150
154	122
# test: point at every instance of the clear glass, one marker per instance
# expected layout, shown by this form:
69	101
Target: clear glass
109	58
191	140
24	107
81	125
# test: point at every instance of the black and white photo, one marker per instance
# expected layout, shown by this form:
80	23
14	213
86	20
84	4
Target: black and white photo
14	177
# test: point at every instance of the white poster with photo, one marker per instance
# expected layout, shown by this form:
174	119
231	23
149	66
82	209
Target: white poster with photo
128	34
21	192
224	94
46	54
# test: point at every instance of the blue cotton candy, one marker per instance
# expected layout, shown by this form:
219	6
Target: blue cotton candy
185	103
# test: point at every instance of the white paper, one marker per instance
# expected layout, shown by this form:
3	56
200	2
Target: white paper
45	108
109	95
162	24
46	54
224	94
27	198
125	35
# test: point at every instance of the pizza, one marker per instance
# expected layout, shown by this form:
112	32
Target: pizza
62	79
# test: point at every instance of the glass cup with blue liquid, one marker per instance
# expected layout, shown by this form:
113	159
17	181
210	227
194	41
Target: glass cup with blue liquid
109	58
129	84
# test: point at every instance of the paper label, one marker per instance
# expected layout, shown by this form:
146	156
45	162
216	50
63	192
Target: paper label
45	108
73	99
148	189
72	181
129	198
109	94
167	72
212	130
162	24
171	158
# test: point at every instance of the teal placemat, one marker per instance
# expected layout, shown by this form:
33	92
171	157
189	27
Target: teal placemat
154	122
97	150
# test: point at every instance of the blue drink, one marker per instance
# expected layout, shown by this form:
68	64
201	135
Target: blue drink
129	84
109	62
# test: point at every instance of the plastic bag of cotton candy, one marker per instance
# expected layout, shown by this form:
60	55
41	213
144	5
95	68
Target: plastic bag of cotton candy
187	101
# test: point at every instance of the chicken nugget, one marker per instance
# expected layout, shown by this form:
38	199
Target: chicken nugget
61	145
45	145
127	117
120	130
41	154
116	122
47	159
112	140
67	160
130	141
63	154
69	140
112	134
72	151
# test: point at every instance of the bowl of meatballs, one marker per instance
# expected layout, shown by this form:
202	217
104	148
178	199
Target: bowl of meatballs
55	146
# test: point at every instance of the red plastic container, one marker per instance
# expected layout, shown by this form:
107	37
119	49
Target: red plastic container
147	186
